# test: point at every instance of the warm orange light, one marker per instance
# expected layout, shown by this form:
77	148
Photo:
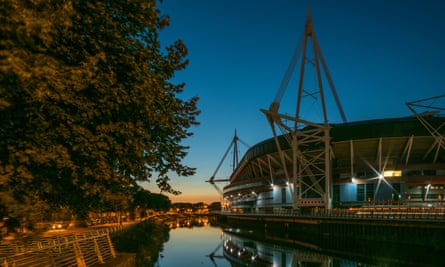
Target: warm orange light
392	173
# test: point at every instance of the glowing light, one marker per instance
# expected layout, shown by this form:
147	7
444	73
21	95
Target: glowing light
392	173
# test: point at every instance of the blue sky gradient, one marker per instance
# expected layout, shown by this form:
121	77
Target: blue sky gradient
380	54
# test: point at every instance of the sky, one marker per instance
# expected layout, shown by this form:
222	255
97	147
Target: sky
380	55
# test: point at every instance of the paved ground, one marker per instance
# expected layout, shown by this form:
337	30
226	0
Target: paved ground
78	230
121	260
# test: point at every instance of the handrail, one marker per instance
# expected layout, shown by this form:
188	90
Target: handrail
77	249
382	212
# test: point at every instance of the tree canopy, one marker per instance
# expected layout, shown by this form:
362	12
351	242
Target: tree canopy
88	107
143	199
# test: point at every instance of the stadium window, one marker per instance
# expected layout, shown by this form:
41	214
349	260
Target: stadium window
392	173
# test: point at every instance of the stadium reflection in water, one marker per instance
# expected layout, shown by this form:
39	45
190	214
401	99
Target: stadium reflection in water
199	242
241	251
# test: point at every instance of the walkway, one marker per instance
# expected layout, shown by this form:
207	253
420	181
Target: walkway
80	247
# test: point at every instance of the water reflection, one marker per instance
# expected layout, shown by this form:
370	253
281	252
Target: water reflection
188	222
245	248
197	241
192	241
242	251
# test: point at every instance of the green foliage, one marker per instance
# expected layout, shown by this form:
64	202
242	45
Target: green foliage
87	106
145	239
146	200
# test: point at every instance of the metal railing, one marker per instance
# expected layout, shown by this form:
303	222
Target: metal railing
378	212
81	249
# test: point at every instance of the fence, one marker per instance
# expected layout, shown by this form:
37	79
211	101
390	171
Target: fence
82	249
436	213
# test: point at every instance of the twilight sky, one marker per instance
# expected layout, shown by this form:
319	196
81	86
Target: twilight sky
380	54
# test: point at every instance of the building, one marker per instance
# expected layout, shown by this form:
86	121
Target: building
318	165
371	161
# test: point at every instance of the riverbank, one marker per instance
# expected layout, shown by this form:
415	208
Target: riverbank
144	240
133	243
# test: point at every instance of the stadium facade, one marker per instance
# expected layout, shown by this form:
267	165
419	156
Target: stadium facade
319	165
387	160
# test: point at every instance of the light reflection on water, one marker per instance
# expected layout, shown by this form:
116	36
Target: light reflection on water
197	243
209	246
191	246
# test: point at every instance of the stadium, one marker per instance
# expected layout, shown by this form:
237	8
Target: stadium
310	165
386	160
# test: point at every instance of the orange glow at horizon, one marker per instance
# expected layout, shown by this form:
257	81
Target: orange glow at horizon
192	191
207	198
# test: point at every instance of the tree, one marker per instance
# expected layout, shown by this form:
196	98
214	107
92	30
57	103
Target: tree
159	202
144	199
87	105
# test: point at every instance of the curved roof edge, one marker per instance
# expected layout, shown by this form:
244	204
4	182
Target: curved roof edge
388	127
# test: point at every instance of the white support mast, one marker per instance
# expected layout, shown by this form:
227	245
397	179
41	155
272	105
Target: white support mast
307	169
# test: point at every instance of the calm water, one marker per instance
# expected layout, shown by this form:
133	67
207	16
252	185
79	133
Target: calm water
192	247
197	243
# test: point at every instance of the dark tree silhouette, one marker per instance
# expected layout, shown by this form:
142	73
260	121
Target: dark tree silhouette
87	104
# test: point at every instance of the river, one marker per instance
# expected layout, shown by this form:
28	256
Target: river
198	243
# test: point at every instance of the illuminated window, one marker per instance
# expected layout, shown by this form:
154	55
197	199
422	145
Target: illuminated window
392	173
